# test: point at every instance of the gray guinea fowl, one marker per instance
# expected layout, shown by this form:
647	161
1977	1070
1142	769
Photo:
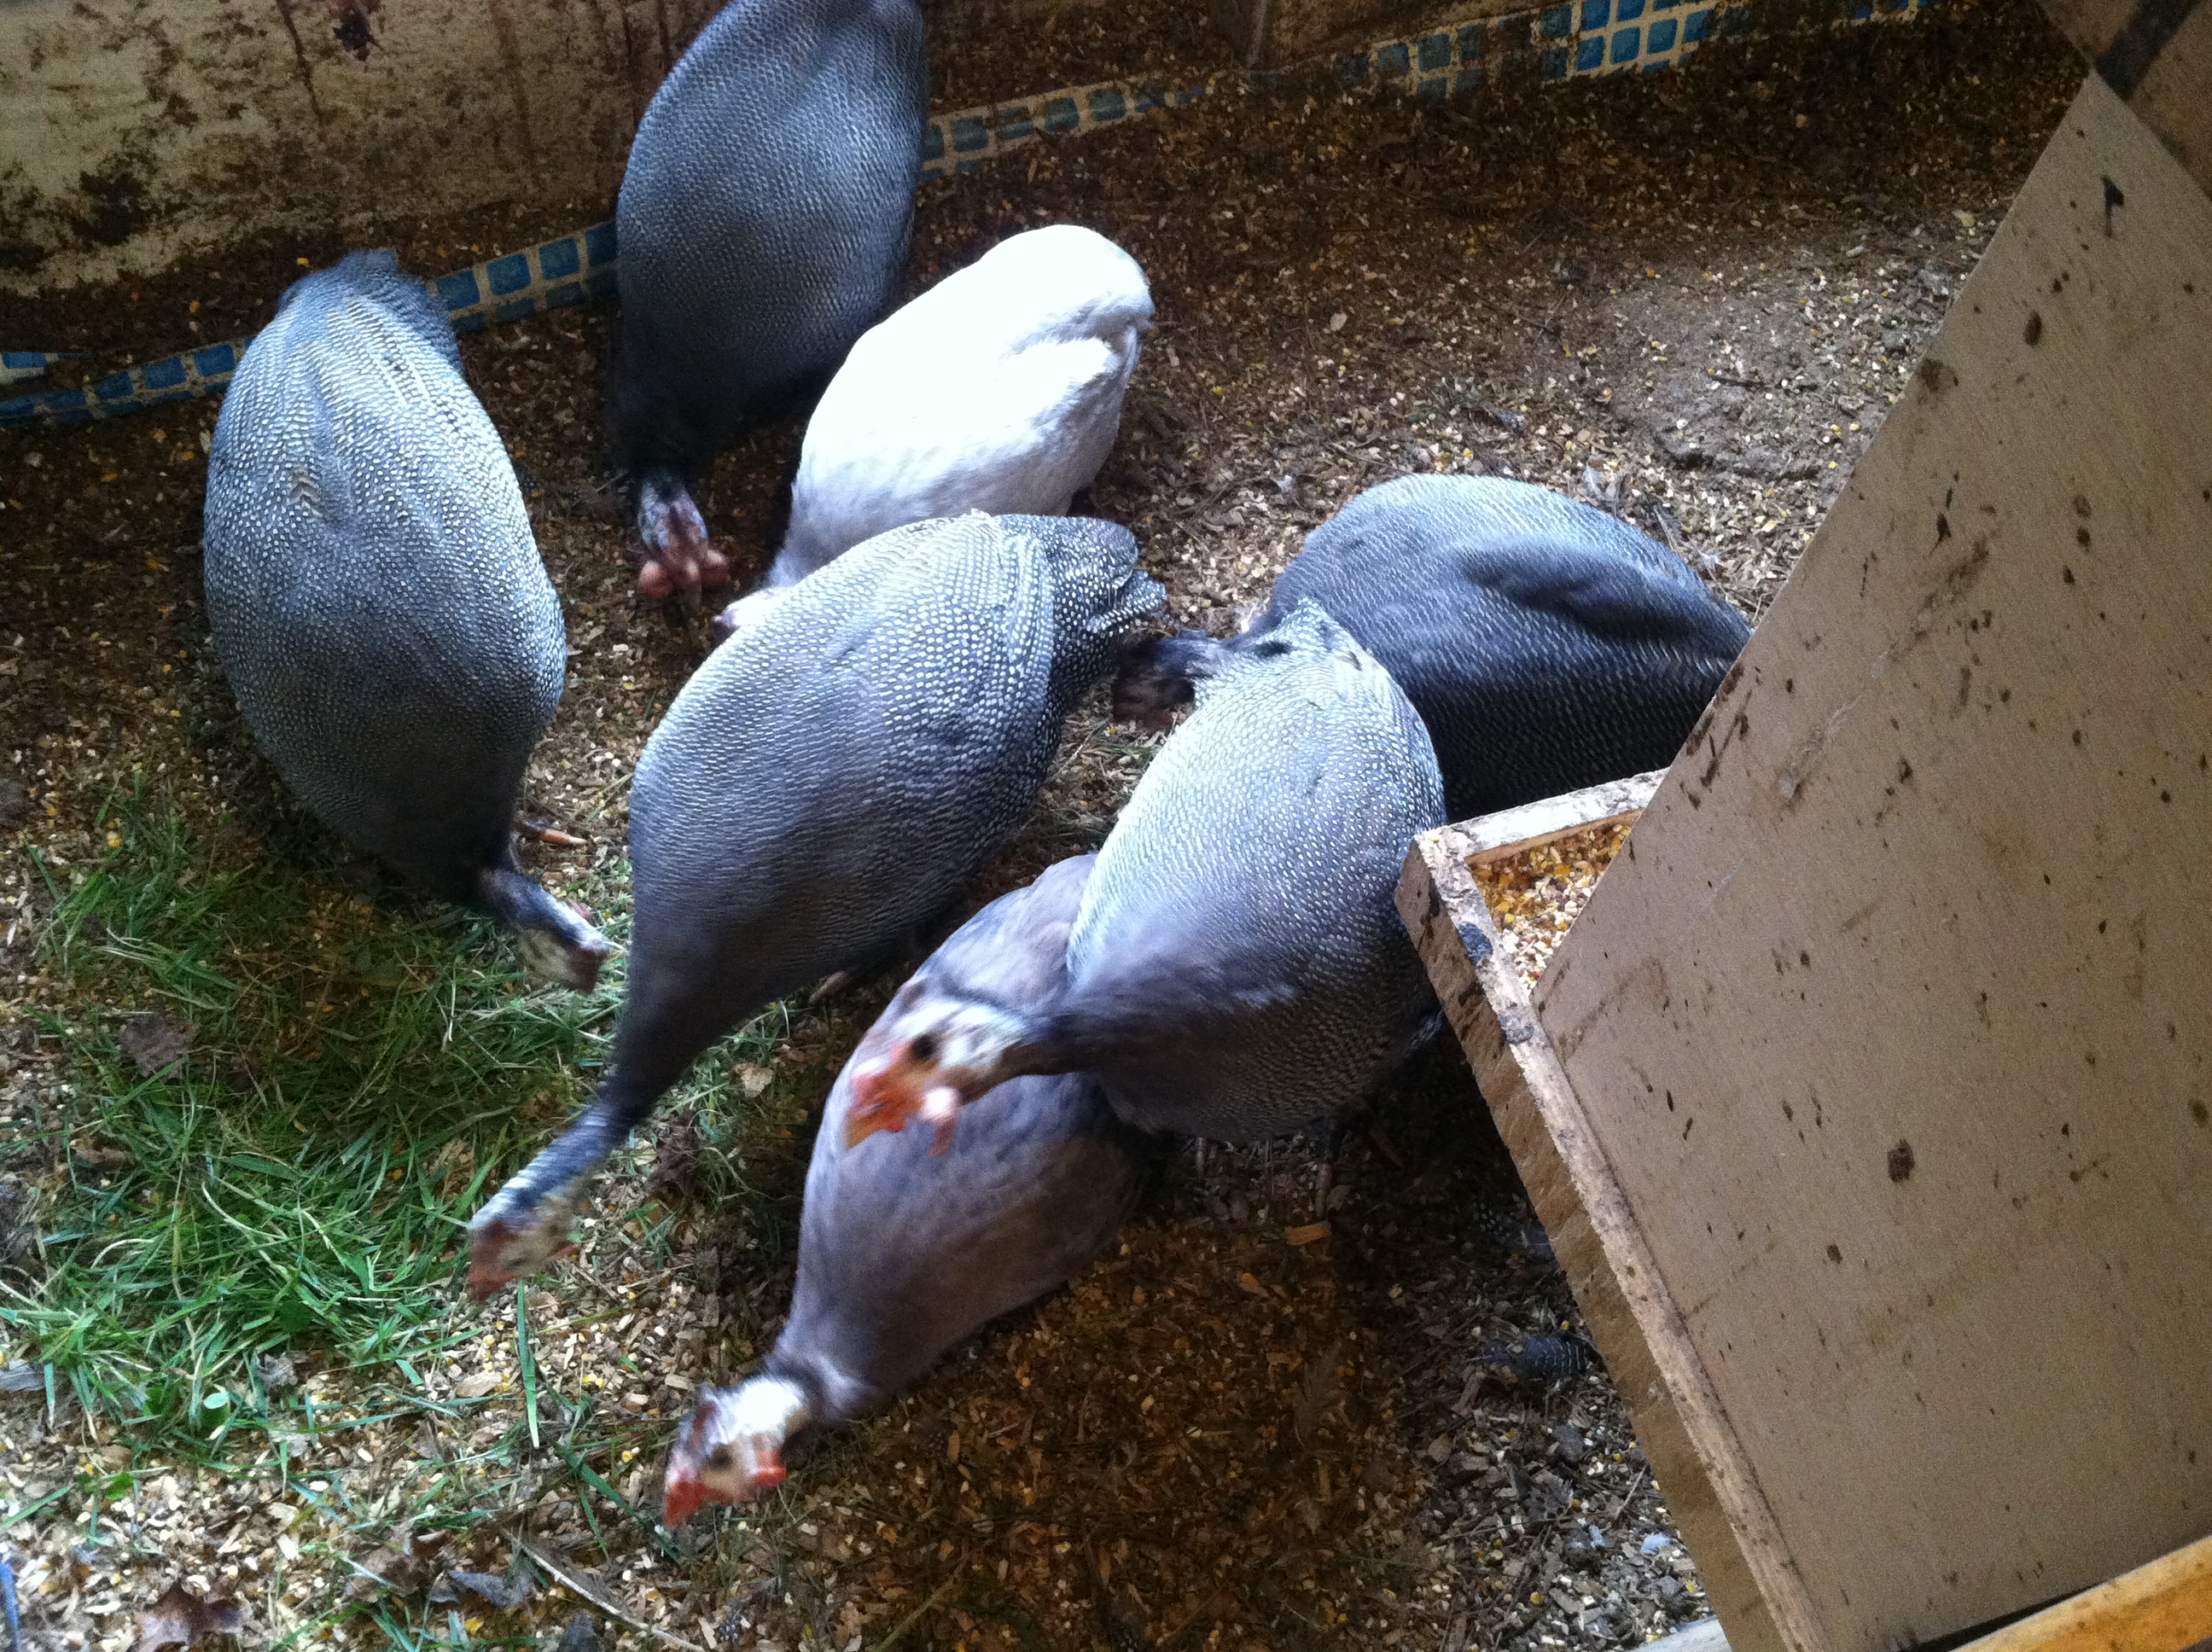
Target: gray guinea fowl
901	1252
377	598
763	222
827	784
1238	968
1547	645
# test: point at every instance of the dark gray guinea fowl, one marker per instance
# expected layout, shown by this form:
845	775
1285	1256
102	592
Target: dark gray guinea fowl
377	598
902	1253
762	225
1238	968
1547	645
826	785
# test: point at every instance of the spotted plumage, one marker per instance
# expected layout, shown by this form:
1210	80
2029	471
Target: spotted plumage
1547	645
1238	968
763	222
828	783
377	598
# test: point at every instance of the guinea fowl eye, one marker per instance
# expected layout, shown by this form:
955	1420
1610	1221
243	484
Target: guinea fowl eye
923	1047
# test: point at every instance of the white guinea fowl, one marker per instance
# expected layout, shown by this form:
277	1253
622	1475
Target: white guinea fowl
998	390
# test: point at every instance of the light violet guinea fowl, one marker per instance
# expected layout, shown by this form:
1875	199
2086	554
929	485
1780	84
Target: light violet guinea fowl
377	598
903	1254
762	225
1547	645
825	785
1238	968
999	389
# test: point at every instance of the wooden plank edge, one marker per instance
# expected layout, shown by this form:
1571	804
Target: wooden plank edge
1515	831
1695	1457
2165	1606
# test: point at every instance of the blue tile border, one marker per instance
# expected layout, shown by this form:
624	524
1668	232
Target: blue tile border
503	288
1448	59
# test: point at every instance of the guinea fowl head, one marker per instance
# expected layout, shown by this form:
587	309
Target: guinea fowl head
731	1450
933	1059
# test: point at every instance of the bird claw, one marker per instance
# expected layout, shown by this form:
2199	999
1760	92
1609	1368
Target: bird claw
679	556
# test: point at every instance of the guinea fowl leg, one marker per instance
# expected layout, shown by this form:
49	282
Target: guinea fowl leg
678	556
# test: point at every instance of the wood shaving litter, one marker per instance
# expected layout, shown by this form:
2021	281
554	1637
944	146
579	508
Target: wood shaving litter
1537	895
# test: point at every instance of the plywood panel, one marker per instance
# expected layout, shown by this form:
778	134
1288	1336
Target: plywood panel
1895	1030
2157	54
2165	1606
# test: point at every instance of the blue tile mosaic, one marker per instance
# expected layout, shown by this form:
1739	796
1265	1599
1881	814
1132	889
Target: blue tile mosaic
560	260
1625	44
164	375
1435	52
509	275
599	245
458	290
1590	53
1660	37
1060	115
1107	103
1555	22
969	136
1697	26
1596	14
1393	62
1552	65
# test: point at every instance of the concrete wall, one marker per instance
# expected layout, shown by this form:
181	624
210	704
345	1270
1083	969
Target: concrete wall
138	132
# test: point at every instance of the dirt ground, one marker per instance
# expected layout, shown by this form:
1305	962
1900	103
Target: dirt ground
1692	296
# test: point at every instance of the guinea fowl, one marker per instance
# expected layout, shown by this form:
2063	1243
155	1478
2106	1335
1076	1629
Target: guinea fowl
1547	645
826	784
1238	968
999	389
903	1254
377	598
763	222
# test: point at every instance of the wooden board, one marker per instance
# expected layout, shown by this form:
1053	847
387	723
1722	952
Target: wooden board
2157	54
2165	1606
1885	1060
1515	831
1695	1458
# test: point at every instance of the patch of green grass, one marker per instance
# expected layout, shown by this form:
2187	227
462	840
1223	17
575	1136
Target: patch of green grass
363	1069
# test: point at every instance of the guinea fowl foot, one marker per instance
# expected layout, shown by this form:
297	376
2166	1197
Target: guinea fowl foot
678	554
502	1250
554	939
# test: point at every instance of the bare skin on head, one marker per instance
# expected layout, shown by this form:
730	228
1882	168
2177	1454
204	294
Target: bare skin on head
731	1450
947	1059
679	553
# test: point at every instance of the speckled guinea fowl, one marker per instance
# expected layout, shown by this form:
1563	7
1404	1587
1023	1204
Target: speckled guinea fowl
903	1253
763	222
1547	645
999	389
1238	968
825	785
377	598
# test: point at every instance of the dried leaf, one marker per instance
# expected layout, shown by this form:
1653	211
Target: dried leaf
181	1618
676	1165
153	1041
500	1594
402	1565
1307	1235
477	1385
753	1079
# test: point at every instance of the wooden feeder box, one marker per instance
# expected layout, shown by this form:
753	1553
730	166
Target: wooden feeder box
1868	1102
